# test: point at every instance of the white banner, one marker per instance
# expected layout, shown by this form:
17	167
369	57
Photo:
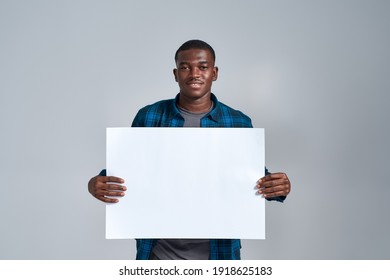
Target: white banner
186	183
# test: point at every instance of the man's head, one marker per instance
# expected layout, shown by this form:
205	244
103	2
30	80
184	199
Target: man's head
195	44
195	72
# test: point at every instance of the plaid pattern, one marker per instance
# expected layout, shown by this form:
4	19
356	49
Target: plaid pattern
166	114
220	249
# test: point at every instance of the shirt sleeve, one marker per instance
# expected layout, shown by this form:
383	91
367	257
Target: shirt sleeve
137	121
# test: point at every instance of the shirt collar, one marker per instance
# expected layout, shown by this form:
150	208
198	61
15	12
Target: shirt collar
214	114
174	110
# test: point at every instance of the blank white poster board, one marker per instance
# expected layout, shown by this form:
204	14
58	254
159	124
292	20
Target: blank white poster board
186	183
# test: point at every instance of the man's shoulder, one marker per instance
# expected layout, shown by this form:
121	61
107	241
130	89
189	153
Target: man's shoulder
156	114
233	117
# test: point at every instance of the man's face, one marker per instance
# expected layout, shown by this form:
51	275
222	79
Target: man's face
195	73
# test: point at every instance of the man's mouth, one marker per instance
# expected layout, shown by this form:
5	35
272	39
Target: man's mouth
194	84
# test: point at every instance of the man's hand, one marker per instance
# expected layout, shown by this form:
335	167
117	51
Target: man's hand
103	186
273	185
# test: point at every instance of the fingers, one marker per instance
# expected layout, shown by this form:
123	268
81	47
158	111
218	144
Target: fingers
113	179
109	193
107	199
110	187
275	184
272	176
107	183
106	190
281	190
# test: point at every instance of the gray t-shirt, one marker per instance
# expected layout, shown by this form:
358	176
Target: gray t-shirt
184	249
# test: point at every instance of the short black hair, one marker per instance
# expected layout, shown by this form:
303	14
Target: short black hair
195	44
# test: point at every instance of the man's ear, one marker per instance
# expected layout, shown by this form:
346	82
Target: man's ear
175	74
215	73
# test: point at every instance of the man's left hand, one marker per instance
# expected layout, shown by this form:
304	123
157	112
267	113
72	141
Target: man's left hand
273	185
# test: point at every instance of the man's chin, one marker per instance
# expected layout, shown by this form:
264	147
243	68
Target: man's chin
194	95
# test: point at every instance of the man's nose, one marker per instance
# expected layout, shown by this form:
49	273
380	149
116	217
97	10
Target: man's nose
195	72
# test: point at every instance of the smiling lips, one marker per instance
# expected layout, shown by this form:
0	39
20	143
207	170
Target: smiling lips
195	83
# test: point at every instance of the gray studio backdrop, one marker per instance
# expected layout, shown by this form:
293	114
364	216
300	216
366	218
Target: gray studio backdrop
314	74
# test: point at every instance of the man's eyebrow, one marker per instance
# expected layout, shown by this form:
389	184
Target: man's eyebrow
199	62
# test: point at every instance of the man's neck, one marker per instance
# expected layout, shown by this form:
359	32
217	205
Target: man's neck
199	105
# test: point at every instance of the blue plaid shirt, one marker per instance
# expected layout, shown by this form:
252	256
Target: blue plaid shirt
166	114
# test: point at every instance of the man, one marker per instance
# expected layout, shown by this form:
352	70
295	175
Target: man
194	106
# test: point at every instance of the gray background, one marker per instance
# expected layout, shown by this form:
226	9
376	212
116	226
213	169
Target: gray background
314	74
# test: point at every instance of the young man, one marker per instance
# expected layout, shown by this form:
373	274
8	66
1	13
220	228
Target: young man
194	106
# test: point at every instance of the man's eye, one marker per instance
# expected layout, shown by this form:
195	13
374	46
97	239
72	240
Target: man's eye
184	68
203	67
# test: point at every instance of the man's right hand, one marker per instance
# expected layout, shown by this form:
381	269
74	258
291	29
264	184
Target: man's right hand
106	187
